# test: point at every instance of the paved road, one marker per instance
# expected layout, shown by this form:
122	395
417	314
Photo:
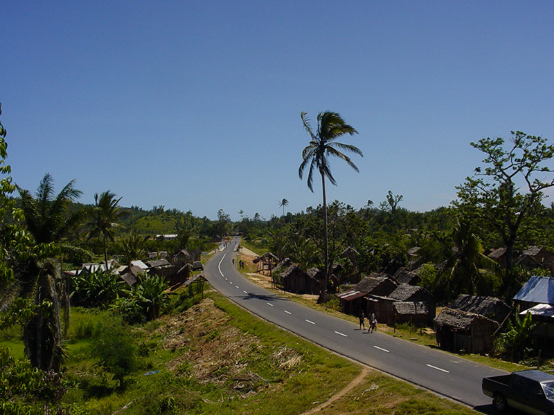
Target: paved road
443	373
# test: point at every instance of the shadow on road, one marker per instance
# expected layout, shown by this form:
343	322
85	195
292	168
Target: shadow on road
264	297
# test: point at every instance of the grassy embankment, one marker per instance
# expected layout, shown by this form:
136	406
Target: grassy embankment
215	358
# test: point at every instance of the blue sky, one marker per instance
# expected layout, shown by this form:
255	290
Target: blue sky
195	105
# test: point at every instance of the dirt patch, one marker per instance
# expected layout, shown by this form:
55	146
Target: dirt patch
214	351
357	381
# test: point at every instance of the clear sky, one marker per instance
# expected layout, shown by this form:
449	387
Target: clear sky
195	105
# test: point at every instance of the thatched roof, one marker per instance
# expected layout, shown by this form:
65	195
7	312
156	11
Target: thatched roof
406	292
405	276
315	273
158	263
461	320
410	308
267	255
496	254
482	305
293	268
370	283
128	278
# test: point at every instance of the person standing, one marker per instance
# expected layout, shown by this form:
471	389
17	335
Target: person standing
362	319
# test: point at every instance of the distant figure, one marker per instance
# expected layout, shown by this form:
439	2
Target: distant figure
371	319
233	261
373	325
362	319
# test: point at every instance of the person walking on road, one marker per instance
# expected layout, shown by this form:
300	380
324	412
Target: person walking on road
362	319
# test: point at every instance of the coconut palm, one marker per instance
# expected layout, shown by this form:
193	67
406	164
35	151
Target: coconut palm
106	217
330	126
283	203
465	267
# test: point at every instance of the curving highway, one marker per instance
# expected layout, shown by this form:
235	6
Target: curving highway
443	373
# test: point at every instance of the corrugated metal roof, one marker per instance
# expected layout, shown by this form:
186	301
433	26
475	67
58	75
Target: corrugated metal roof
540	310
351	295
538	289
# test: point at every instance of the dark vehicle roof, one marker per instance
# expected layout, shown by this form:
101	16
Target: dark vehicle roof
535	375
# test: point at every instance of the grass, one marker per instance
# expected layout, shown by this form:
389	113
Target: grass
216	358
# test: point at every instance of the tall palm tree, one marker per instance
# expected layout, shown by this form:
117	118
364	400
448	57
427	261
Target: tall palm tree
106	216
283	203
47	219
330	126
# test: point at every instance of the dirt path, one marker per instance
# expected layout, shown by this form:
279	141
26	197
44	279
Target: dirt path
353	383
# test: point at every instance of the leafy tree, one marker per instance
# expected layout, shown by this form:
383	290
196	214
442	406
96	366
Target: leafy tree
150	294
106	217
330	126
114	347
493	194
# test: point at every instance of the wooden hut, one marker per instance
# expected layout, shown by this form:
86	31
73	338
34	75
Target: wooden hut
357	299
492	308
266	262
415	313
459	330
296	280
386	311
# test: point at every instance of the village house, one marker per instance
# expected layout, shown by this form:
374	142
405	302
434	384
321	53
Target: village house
492	308
357	299
406	303
296	280
266	262
537	297
458	330
536	257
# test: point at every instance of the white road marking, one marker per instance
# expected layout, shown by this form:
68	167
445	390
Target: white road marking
379	348
438	368
219	266
245	292
288	312
310	322
269	304
341	334
237	287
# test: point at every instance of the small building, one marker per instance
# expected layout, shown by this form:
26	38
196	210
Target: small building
537	297
181	258
403	275
538	289
355	300
499	256
416	298
458	330
266	262
415	313
296	280
536	257
492	308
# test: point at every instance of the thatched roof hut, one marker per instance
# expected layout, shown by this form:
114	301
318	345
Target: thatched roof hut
296	280
460	330
492	308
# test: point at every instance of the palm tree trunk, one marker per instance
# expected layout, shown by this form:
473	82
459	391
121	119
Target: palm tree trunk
105	252
326	252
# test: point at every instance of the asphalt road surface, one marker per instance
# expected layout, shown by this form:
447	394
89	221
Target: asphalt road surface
445	374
